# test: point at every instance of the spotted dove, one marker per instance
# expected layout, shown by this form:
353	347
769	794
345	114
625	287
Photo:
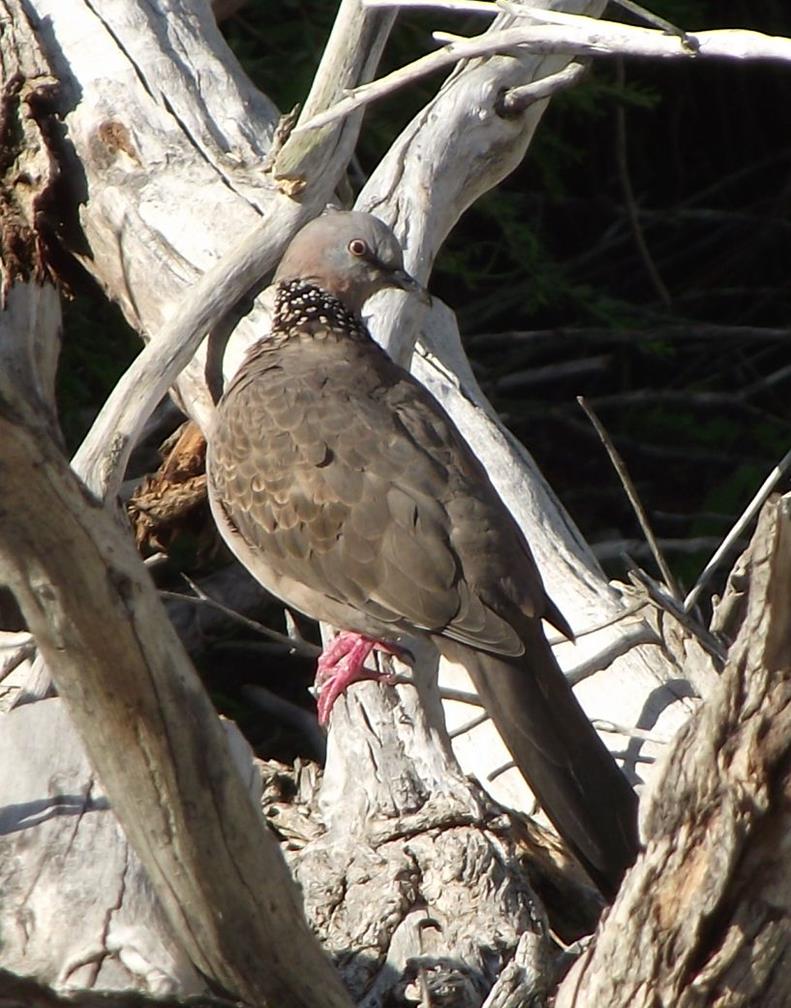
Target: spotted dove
345	488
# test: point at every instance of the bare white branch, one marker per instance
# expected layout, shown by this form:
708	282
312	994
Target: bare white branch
747	516
603	725
620	645
101	459
456	6
565	33
350	56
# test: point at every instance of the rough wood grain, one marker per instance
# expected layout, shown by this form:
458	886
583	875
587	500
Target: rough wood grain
439	862
148	727
705	916
68	919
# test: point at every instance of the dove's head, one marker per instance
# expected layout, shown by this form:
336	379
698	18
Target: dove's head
348	254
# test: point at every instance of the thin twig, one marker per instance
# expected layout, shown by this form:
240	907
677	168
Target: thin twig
616	755
630	611
552	372
629	757
767	381
601	725
634	500
500	770
294	645
747	516
658	595
608	549
468	726
640	634
611	728
460	696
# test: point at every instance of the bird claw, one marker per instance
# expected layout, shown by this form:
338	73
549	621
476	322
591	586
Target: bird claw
342	664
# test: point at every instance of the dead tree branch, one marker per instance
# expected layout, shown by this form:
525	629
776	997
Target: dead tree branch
704	916
148	725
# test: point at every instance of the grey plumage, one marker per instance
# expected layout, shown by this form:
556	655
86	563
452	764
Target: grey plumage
346	489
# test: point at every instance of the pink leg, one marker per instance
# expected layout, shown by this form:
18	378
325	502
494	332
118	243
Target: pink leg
343	663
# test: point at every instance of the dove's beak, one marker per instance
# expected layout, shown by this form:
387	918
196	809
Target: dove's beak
406	282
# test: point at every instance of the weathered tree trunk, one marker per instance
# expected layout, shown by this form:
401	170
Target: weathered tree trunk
146	721
705	916
411	876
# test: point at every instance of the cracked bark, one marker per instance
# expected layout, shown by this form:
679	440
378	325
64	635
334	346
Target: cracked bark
446	871
705	916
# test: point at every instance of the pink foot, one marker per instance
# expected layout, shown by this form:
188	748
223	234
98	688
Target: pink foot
343	663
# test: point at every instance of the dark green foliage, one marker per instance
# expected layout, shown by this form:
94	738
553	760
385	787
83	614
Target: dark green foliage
280	49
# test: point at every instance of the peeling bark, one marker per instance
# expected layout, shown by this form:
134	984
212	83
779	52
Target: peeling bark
28	169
